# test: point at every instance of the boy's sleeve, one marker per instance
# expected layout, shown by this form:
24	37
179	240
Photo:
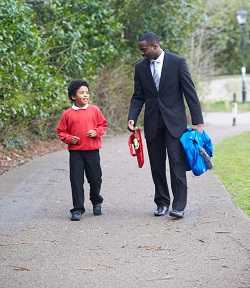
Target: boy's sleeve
61	130
102	124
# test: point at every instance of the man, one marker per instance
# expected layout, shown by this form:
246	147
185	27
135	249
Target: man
161	81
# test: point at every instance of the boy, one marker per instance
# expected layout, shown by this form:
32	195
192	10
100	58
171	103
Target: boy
82	127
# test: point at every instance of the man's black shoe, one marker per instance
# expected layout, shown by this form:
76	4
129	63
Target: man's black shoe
161	211
176	213
97	209
76	215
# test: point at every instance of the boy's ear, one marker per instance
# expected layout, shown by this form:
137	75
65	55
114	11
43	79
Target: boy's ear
73	97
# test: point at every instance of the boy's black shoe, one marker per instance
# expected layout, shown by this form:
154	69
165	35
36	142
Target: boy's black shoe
161	211
76	215
97	209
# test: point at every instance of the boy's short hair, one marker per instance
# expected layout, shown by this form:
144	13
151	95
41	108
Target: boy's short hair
74	86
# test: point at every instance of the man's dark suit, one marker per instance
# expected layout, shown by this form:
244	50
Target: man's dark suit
164	122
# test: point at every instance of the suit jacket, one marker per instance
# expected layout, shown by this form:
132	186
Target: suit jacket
175	84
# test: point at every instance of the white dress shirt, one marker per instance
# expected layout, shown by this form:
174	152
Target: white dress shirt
158	64
79	108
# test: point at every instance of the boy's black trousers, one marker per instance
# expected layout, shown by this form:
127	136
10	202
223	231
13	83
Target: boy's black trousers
87	162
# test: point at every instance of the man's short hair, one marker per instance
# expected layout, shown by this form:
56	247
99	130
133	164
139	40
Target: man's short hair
74	86
149	37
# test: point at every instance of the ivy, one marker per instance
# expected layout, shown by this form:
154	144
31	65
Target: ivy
43	45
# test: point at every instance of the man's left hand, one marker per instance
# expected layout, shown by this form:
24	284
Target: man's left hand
198	127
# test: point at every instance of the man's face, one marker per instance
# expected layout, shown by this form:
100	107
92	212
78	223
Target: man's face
148	50
82	96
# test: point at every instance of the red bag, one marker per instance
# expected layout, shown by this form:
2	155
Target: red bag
136	146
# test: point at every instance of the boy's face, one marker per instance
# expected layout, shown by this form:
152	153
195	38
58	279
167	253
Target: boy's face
82	96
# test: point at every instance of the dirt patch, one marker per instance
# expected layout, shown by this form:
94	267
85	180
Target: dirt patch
16	157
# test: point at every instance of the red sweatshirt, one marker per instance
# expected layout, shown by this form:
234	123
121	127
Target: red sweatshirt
78	123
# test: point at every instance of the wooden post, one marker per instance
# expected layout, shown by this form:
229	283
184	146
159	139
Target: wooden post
234	110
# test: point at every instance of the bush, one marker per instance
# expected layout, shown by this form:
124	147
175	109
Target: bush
43	45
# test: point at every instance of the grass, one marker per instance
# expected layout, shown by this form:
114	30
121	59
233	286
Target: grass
232	165
224	106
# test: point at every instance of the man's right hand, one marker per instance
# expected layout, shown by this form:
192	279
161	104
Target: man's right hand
74	139
131	124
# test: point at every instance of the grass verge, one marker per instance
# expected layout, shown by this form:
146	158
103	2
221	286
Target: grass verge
232	165
224	106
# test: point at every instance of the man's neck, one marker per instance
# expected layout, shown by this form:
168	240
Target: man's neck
158	54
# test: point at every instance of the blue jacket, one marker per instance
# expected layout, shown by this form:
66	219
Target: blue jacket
198	148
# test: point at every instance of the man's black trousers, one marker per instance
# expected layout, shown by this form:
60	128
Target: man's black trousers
157	148
87	162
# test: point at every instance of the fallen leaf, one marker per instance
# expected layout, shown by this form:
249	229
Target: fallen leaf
201	240
86	269
160	279
19	268
151	248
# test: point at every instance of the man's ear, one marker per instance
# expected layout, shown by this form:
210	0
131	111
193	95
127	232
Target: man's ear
155	46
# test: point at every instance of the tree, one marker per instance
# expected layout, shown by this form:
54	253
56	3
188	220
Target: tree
44	44
80	35
25	78
173	21
223	34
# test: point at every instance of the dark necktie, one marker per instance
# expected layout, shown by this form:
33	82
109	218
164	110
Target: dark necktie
155	75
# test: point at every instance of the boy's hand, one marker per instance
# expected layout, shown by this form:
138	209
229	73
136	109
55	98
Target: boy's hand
92	133
74	139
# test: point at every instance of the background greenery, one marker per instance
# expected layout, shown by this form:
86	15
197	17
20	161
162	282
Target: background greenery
46	43
232	164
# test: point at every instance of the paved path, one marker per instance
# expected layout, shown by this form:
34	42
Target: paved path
127	247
